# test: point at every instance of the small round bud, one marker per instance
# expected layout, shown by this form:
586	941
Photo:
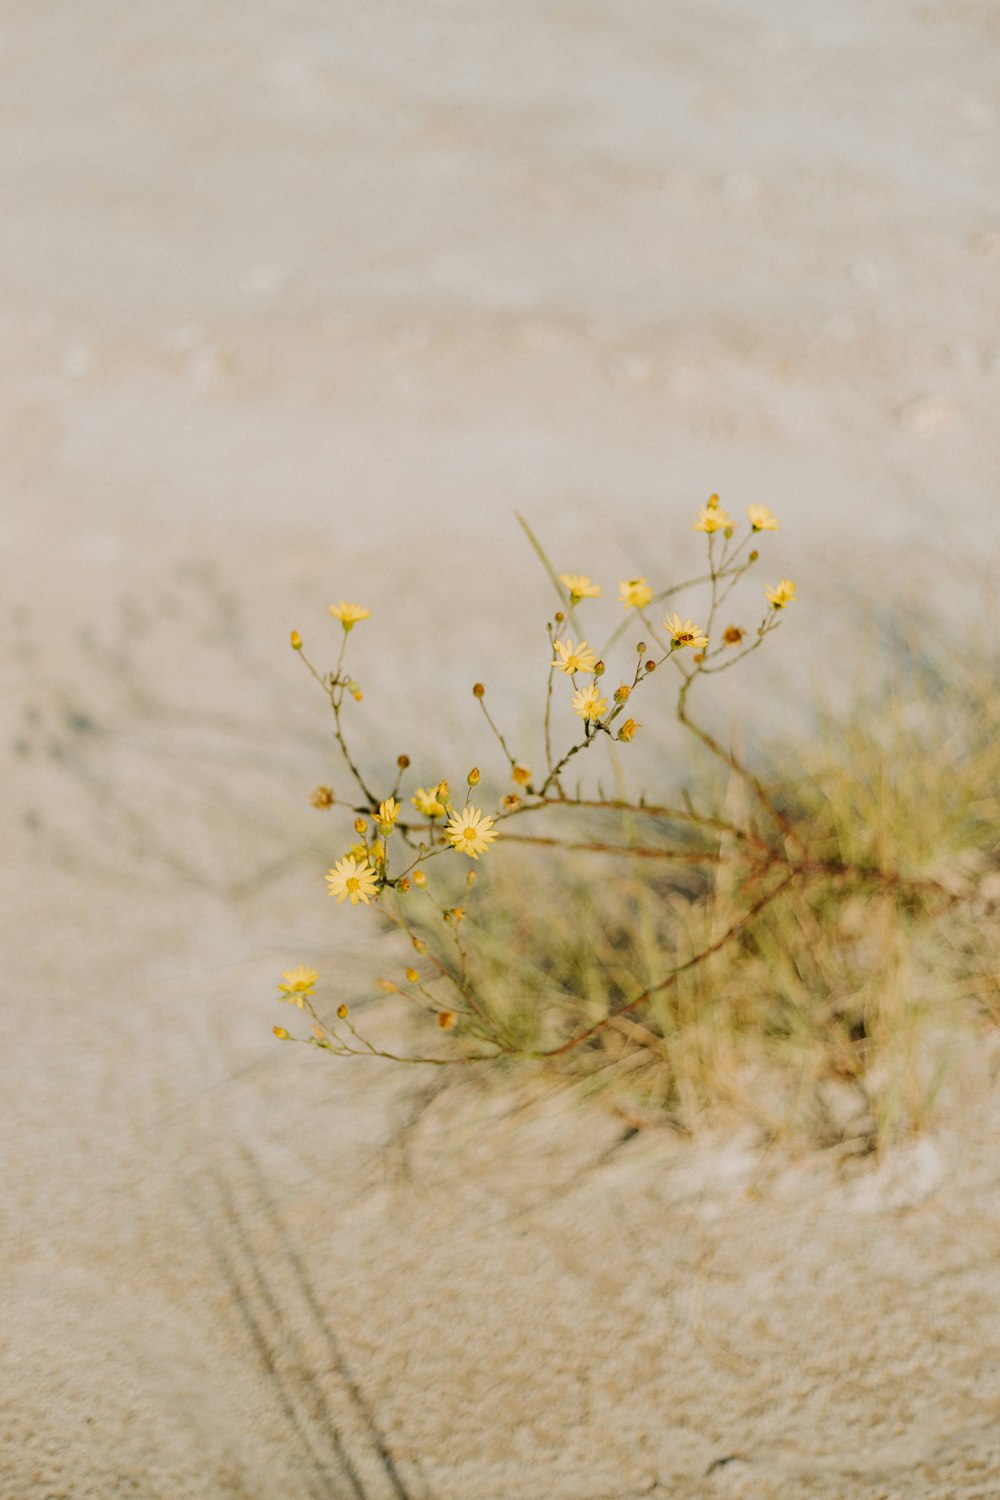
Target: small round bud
470	878
412	976
281	1033
296	640
640	649
478	690
402	761
699	657
342	1012
559	617
419	878
599	669
473	776
622	692
651	666
443	791
754	555
357	694
360	827
419	946
446	1019
627	731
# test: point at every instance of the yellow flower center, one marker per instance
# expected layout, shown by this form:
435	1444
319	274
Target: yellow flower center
353	884
468	833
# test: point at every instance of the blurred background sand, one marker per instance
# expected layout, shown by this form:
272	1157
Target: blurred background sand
301	302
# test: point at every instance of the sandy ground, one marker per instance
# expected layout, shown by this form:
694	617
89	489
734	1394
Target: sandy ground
300	302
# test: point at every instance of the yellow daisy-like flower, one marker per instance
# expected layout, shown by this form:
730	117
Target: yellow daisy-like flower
685	632
713	518
574	658
634	593
588	703
426	802
349	614
388	812
298	985
761	518
579	586
351	881
782	594
470	831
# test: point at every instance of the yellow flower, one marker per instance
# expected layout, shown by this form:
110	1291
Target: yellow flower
761	518
470	831
712	518
388	812
782	594
685	632
296	641
628	729
426	802
634	593
521	774
588	703
579	586
352	881
419	878
349	614
298	986
281	1033
574	658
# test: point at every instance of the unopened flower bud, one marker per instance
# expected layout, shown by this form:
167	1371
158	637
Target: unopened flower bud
342	1012
296	640
443	791
419	946
402	761
412	976
559	617
470	878
622	691
446	1019
478	690
628	729
599	669
640	649
651	666
357	694
388	986
419	878
754	555
511	802
473	776
281	1033
360	826
732	635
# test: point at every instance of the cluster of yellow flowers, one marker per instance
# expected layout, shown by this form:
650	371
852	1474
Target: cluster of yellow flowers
362	874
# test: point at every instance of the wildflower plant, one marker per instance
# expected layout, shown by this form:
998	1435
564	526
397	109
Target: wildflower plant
501	967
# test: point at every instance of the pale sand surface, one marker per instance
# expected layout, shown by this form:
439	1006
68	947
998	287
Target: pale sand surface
300	304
